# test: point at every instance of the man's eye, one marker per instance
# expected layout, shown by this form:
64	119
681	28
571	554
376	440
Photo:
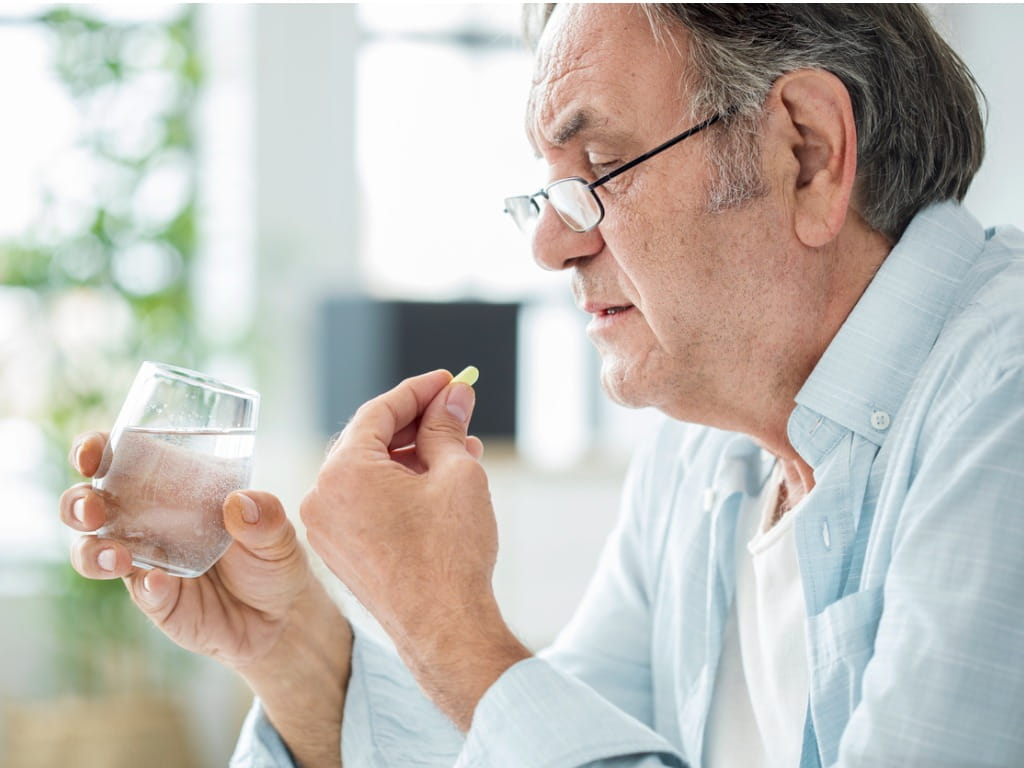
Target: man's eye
601	166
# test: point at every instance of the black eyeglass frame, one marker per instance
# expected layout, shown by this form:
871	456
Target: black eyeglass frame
593	185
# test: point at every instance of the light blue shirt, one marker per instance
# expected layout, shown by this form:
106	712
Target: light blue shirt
910	546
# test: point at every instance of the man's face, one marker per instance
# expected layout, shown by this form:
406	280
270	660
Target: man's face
680	298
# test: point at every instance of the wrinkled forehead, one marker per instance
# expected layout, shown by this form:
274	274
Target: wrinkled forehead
595	61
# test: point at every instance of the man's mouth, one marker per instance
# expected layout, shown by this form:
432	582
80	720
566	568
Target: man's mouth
600	309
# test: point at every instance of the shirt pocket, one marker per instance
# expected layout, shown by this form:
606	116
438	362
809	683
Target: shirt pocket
840	643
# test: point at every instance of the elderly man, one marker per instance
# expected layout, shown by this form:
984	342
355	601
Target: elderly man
759	209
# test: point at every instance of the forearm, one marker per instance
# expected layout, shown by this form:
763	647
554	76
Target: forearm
302	681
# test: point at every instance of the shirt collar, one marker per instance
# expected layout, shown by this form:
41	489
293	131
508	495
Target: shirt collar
864	375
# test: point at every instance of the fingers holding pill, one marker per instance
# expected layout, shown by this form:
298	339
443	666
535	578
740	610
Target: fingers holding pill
377	423
393	420
429	503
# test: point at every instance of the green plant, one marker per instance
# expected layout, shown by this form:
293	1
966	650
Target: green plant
117	252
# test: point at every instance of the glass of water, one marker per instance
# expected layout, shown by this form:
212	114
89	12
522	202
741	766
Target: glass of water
181	443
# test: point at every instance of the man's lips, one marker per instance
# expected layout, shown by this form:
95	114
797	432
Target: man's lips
605	318
604	309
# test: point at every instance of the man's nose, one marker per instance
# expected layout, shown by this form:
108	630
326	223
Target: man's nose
557	247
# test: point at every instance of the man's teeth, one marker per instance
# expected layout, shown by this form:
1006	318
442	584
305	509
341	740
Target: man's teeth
614	310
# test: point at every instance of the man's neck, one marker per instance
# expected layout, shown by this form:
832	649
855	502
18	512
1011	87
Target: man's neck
846	269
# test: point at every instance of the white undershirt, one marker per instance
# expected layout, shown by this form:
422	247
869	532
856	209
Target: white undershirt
759	703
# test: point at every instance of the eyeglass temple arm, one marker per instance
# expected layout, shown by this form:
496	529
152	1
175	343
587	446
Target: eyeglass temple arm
651	153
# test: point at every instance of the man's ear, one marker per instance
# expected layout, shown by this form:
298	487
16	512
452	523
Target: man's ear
814	115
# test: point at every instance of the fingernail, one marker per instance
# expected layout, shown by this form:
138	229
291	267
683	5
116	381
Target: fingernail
78	510
459	401
250	512
107	559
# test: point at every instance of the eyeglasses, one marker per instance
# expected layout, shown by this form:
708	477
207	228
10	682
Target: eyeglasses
574	198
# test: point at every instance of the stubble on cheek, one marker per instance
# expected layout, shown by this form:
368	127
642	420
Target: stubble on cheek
673	280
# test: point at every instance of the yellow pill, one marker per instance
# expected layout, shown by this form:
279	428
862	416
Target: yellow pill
467	375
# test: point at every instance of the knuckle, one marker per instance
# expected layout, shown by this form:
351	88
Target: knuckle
308	508
362	411
332	443
408	381
133	583
469	466
443	428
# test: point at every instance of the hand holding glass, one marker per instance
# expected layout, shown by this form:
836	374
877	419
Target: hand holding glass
181	443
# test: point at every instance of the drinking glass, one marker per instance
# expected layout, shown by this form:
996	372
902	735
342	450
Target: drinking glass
181	443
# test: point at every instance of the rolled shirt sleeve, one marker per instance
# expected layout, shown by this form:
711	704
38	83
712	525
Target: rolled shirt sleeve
388	720
259	745
538	716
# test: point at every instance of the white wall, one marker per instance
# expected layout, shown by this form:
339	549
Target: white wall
988	38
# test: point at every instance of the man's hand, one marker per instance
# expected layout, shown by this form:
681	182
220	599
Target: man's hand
259	610
401	513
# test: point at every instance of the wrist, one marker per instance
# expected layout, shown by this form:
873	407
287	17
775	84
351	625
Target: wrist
314	628
457	658
301	682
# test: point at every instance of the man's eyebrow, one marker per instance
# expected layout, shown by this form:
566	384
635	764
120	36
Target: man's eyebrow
578	121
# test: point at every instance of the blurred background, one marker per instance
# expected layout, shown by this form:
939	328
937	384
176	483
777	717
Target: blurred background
306	200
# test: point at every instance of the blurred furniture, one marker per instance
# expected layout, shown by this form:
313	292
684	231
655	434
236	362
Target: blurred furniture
366	346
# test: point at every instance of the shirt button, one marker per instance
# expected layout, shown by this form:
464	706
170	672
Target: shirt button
826	535
709	499
880	420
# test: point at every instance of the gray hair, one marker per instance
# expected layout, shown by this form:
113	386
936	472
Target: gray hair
920	130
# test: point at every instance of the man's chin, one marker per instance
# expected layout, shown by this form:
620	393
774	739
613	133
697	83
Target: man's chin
622	386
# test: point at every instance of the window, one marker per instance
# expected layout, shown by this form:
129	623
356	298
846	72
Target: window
441	98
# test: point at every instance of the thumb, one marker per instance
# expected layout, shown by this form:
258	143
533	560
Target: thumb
444	424
258	522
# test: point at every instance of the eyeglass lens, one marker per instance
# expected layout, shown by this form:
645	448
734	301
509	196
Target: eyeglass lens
575	203
571	198
524	211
